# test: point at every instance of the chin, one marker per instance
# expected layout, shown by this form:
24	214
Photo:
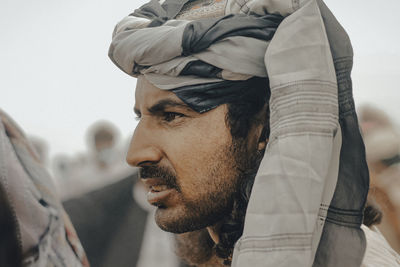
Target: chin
178	221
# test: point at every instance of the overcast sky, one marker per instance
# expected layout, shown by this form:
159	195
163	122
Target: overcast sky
56	78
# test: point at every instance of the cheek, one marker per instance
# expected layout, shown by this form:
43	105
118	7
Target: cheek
198	153
195	150
206	168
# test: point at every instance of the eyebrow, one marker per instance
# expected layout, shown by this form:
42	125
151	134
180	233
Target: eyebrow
162	105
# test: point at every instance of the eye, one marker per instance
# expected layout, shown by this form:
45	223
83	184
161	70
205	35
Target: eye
170	116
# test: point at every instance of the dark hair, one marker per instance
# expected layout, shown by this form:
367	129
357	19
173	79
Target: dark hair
242	115
248	109
246	106
372	213
244	110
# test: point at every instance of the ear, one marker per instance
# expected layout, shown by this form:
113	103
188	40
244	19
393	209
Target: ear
263	138
262	144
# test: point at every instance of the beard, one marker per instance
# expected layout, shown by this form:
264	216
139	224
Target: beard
223	202
214	199
197	247
193	215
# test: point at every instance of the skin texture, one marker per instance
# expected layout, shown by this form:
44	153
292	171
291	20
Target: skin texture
196	156
190	152
196	160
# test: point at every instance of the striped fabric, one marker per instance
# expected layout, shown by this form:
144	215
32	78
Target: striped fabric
310	190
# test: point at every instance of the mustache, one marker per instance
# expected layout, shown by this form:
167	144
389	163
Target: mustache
160	173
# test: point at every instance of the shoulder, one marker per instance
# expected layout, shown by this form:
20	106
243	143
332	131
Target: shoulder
378	252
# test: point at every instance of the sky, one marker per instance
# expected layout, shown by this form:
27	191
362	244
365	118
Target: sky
56	79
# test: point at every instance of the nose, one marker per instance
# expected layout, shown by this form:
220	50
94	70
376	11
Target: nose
143	148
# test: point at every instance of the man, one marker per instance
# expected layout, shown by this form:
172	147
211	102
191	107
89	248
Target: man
102	139
196	183
202	100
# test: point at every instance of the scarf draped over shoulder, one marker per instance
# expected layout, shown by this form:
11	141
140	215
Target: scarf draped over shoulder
308	197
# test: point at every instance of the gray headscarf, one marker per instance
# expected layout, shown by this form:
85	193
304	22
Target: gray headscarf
308	197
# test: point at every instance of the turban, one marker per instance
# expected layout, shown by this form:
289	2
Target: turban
307	202
203	61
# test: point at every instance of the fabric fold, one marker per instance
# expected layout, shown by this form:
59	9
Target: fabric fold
304	123
227	42
342	235
311	186
44	231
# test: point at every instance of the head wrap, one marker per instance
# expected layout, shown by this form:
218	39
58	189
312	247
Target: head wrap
198	60
307	202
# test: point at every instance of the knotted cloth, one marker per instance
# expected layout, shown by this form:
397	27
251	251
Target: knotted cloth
309	193
180	52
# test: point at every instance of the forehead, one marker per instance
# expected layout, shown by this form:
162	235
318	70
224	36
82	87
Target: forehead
147	94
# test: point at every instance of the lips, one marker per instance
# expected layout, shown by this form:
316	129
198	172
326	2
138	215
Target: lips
158	188
159	198
159	192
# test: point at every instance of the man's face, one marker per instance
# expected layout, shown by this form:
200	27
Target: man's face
188	160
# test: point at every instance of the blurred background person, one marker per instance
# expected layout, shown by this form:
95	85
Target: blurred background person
107	204
62	171
382	143
101	164
104	162
102	140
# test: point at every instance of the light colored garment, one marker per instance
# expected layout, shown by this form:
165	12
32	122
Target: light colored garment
157	54
378	253
331	231
300	211
297	177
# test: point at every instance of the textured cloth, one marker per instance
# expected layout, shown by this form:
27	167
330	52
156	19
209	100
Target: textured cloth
44	231
342	242
378	253
297	177
210	95
307	202
231	45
